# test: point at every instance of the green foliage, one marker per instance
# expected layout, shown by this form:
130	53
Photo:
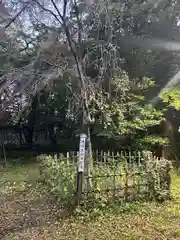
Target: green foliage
59	177
158	179
154	140
120	109
112	181
126	113
172	97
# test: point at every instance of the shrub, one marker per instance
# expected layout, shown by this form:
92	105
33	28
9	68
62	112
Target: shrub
158	178
58	176
148	179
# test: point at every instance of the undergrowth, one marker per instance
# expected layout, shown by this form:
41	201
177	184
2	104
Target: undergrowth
115	182
30	213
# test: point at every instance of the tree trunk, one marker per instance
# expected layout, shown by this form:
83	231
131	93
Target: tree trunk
169	132
29	129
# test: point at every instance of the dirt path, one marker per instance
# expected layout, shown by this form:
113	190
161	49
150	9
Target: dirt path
18	213
23	207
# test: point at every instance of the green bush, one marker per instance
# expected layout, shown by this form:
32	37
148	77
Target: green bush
158	178
58	176
149	179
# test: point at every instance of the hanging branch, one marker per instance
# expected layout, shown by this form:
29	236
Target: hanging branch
78	59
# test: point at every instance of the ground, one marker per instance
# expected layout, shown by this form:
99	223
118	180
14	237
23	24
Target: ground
27	213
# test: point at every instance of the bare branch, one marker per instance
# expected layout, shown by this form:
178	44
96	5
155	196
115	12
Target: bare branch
80	27
64	8
55	6
48	10
27	45
15	17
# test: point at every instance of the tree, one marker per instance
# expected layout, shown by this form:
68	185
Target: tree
83	43
126	118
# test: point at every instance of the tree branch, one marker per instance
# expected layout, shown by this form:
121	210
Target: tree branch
48	10
78	61
80	27
55	6
76	58
64	8
15	17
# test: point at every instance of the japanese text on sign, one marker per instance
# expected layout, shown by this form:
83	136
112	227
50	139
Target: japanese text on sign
81	152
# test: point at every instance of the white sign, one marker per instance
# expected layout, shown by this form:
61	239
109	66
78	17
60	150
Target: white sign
82	144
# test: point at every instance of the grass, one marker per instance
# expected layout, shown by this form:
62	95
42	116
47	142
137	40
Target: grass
27	213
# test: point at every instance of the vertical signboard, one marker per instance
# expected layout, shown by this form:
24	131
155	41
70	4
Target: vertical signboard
82	144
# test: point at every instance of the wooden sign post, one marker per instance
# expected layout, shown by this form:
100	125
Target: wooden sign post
80	166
